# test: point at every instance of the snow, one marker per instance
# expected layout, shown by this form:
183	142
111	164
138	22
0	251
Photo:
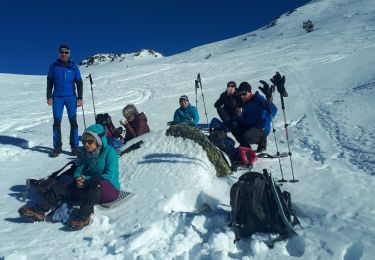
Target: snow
331	85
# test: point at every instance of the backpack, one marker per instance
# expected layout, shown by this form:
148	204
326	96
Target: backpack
247	155
218	136
58	177
256	203
113	134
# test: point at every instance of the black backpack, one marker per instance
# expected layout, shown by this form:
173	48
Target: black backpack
106	121
62	176
255	208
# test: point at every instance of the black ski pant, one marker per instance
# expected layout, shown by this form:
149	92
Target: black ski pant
85	197
253	135
233	125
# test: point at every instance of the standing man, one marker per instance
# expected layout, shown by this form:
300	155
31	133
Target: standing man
62	80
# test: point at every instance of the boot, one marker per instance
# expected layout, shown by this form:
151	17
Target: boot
262	146
32	213
56	152
76	151
79	223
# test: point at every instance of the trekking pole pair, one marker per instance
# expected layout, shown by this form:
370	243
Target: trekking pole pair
198	84
279	82
268	91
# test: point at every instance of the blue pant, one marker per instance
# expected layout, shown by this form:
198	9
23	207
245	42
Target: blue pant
58	108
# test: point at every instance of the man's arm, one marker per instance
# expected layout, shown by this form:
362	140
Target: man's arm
79	82
220	102
50	77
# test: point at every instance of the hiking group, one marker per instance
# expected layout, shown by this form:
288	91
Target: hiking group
96	179
247	115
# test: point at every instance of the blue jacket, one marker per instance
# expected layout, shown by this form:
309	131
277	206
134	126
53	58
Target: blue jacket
256	113
183	115
105	164
61	79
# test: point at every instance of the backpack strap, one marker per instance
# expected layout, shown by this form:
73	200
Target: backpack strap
234	214
56	173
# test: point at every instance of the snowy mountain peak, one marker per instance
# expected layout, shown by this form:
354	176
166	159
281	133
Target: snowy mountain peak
101	58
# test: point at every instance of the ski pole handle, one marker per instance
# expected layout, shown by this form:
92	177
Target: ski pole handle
89	77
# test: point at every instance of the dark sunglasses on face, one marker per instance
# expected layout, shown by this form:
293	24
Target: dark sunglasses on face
64	52
89	142
241	93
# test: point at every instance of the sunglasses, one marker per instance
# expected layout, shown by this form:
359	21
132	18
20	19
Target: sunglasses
64	52
89	142
241	93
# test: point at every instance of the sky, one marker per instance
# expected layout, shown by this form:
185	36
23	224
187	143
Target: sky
31	31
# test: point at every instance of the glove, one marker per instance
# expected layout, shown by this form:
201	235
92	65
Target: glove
266	89
279	82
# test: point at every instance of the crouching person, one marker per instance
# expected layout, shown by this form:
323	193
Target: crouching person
96	180
255	124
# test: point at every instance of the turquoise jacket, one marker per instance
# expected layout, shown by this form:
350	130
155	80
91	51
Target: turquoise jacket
183	115
105	164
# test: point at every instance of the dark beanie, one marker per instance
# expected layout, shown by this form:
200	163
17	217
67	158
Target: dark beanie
64	46
184	97
244	86
231	84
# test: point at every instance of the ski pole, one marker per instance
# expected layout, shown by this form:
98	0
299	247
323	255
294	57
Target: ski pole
274	135
287	137
196	93
92	93
84	119
204	103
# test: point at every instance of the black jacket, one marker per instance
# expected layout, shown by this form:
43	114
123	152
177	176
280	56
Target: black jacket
229	103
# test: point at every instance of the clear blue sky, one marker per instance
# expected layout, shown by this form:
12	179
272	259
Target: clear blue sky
32	30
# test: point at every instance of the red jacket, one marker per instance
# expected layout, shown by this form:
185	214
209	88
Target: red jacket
136	127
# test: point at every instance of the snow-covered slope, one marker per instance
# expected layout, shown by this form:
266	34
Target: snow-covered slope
103	58
331	85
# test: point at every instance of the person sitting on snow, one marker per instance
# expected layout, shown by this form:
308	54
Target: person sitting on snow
186	114
255	123
228	107
96	180
135	123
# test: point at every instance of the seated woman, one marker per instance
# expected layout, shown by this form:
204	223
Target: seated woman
135	123
96	180
186	114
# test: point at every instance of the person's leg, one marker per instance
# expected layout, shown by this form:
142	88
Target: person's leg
48	200
224	115
52	197
252	135
235	128
108	192
58	109
71	107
